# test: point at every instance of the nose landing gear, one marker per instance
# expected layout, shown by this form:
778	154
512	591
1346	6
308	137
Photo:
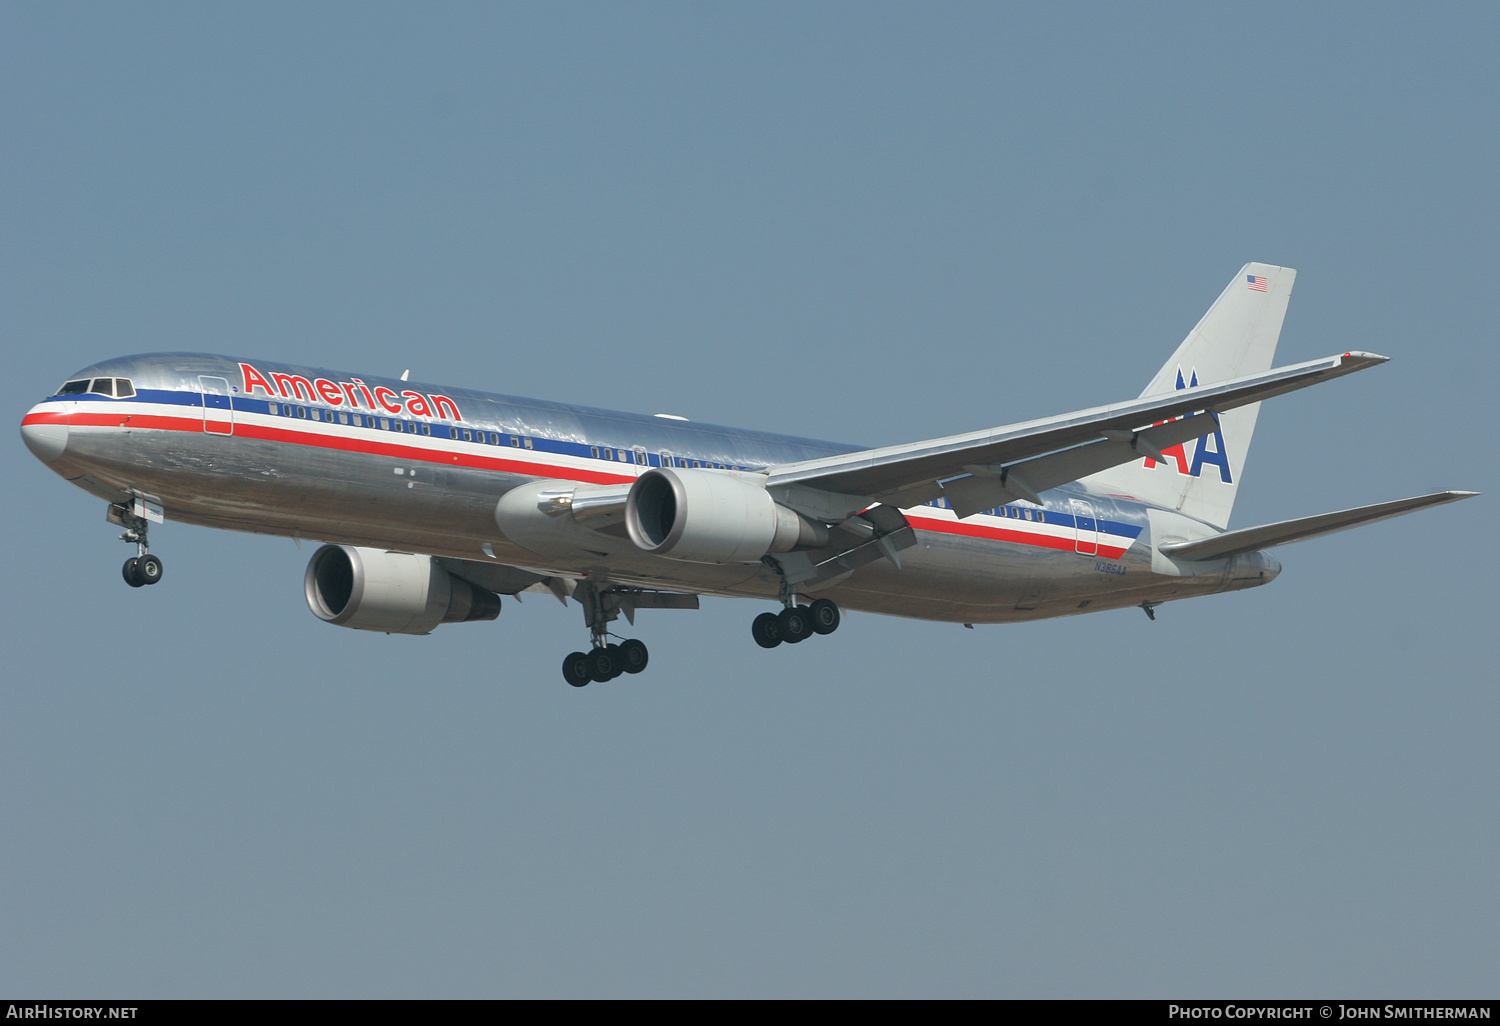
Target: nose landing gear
142	568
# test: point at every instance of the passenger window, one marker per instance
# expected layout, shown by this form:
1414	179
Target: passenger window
123	388
302	412
515	441
275	409
104	386
609	454
74	387
426	429
594	451
528	442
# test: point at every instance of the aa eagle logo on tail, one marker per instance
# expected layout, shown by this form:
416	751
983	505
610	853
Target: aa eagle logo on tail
1207	450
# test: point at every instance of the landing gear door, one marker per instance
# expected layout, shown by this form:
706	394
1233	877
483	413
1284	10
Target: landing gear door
218	411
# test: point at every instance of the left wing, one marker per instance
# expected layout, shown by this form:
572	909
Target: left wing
983	469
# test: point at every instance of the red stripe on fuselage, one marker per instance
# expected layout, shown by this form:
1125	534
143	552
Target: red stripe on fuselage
1064	543
246	429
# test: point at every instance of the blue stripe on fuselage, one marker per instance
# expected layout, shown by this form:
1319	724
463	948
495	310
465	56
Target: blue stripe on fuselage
539	444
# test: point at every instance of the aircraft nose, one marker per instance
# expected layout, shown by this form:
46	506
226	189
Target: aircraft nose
45	439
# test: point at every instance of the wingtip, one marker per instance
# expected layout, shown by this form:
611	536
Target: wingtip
1364	359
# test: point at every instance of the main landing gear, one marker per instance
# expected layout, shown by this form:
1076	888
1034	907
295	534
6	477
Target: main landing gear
142	568
606	660
795	623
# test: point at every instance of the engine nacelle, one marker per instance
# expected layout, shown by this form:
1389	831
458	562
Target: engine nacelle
713	516
391	592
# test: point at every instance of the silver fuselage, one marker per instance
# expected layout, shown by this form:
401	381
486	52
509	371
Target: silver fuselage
201	438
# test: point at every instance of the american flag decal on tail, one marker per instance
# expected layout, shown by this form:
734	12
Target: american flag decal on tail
1255	282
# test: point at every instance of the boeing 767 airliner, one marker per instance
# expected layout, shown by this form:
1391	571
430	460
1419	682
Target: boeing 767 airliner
436	501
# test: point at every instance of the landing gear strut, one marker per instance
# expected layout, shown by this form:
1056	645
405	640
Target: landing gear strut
142	568
606	660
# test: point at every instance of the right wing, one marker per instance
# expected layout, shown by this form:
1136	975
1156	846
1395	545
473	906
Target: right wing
983	469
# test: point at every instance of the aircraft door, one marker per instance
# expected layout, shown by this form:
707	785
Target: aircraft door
1087	528
218	410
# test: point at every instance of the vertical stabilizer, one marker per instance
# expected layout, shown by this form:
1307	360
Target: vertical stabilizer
1237	336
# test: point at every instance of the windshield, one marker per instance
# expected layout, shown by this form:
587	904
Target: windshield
120	388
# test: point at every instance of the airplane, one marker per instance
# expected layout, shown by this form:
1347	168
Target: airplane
434	502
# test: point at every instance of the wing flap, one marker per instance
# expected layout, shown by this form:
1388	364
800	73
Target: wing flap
1250	539
988	487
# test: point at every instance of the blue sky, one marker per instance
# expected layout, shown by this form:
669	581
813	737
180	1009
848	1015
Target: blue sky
864	222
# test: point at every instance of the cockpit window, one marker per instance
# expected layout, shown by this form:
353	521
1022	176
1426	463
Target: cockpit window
120	388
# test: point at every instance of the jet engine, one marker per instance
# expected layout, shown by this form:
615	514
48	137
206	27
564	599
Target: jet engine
710	516
391	592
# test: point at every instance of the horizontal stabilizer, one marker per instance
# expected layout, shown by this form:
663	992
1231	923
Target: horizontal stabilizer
1250	539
